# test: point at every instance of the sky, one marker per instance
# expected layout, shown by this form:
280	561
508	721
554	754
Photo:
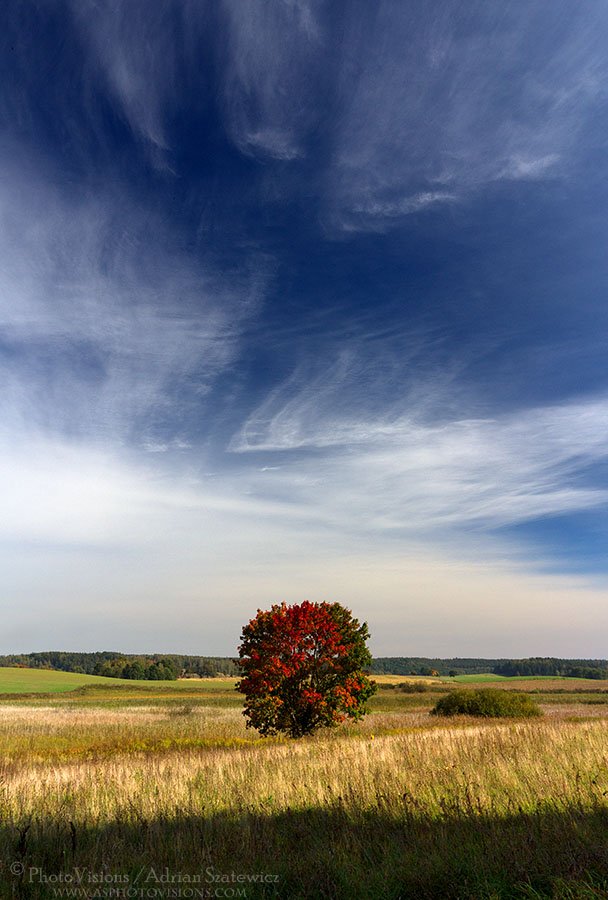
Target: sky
304	300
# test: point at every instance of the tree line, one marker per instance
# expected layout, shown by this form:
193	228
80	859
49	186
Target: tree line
422	665
570	668
168	666
413	665
153	667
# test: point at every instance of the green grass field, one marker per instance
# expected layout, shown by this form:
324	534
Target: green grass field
37	681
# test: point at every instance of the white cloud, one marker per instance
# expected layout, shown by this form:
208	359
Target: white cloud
522	168
370	213
99	547
434	101
134	49
370	388
56	493
106	315
270	75
145	54
416	108
418	466
82	577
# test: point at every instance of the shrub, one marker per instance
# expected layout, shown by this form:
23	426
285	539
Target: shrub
488	703
413	687
185	709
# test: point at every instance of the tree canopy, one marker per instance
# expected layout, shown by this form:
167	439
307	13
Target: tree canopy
303	668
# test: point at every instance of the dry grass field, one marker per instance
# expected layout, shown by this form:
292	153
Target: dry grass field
131	792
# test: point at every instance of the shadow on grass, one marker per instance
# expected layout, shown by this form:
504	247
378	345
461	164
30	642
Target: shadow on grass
313	854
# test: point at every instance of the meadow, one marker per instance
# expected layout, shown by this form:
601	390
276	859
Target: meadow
39	681
159	790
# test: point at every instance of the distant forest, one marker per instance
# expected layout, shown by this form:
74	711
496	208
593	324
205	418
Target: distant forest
154	667
169	666
536	665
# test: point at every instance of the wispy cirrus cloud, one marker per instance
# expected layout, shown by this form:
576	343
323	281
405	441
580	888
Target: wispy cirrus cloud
97	552
87	523
108	328
132	49
272	76
266	56
357	388
419	109
420	463
438	103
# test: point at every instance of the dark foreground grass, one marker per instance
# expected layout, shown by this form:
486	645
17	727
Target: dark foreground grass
315	853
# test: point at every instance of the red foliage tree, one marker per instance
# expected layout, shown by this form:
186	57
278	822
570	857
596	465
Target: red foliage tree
303	668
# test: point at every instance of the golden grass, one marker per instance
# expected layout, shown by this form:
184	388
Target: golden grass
455	808
52	733
411	679
203	756
542	685
58	733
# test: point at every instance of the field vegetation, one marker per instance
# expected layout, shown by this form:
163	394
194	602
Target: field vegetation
488	703
134	782
15	680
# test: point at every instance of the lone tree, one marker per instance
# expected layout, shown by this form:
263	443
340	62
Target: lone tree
303	668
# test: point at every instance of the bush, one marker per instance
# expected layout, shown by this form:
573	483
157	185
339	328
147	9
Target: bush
413	687
488	703
186	709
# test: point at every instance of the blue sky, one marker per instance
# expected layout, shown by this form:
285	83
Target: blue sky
304	300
